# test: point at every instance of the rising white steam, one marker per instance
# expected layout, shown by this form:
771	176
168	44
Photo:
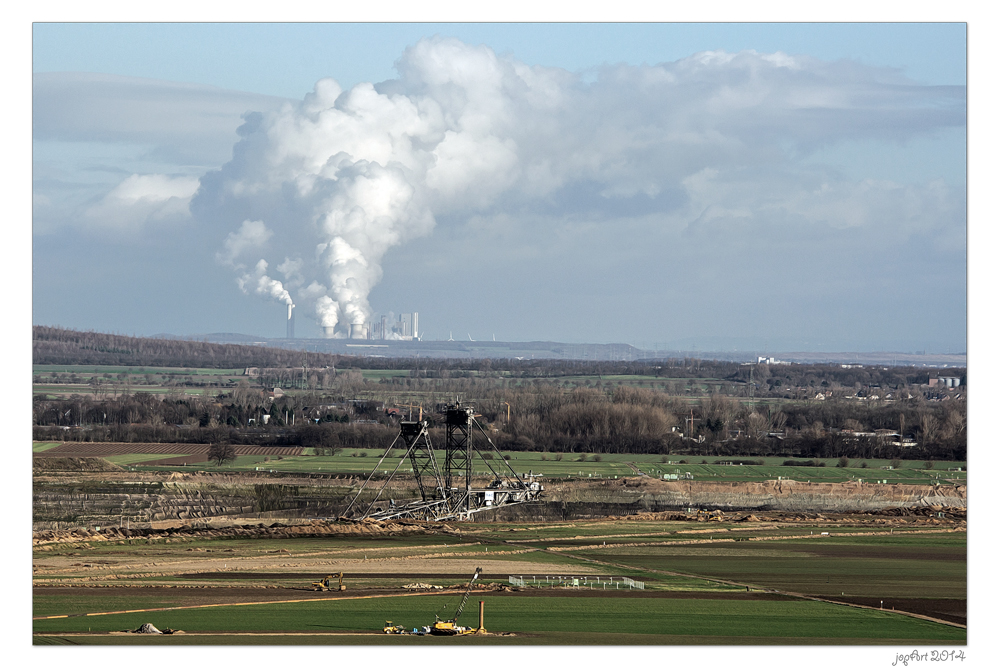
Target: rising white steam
331	184
264	285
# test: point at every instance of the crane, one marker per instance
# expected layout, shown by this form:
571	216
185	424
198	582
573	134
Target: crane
448	627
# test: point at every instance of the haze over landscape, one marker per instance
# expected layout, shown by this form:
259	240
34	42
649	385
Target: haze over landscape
717	186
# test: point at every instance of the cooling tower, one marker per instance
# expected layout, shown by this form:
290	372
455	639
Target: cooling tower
328	332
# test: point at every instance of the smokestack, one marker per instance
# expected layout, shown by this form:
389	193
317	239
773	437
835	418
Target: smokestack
290	324
328	332
415	333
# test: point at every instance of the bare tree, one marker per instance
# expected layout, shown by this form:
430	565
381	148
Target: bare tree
222	452
929	428
757	426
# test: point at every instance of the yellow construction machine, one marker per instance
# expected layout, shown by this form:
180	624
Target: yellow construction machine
451	627
327	584
391	629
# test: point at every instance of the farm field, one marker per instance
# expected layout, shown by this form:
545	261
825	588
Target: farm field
552	465
84	380
770	583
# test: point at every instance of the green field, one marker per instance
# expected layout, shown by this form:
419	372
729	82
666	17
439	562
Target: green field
144	379
826	567
719	591
633	619
86	389
613	466
38	369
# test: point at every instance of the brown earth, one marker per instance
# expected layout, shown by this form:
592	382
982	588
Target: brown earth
69	464
91	449
928	516
784	495
875	506
950	610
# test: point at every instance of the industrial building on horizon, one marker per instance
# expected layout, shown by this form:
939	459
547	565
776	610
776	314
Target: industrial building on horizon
403	328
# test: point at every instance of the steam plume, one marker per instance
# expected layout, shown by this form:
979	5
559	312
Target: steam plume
344	176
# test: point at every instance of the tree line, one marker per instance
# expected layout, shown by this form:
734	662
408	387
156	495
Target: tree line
530	417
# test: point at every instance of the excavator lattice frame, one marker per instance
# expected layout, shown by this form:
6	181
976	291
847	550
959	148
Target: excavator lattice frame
449	494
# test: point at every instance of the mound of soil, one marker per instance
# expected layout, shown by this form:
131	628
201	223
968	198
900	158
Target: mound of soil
67	464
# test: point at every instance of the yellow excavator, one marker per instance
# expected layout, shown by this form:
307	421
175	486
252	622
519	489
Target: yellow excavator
327	584
451	627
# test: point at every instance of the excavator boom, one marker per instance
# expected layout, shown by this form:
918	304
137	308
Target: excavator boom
449	627
465	598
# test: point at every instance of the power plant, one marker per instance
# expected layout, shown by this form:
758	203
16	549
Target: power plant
403	328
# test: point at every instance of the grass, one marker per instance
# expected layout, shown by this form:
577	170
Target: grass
625	617
901	565
44	369
919	566
612	466
67	603
86	389
370	374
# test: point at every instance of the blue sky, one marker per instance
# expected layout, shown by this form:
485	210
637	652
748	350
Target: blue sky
632	208
230	55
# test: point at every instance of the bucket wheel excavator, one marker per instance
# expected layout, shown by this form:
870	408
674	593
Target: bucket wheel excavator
449	491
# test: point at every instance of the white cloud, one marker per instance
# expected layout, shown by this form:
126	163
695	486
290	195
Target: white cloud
90	131
713	141
596	176
252	234
143	199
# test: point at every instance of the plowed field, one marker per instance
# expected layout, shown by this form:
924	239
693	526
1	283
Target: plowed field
98	449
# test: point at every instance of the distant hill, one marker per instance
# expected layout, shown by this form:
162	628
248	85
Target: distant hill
460	349
53	345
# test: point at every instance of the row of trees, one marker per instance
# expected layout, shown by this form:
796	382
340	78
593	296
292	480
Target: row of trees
548	405
543	417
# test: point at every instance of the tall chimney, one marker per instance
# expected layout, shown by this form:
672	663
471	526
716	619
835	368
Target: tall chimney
290	324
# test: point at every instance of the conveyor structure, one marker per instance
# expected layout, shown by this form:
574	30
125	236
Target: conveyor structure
456	490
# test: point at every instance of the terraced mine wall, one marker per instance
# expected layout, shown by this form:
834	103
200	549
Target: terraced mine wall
651	495
59	505
67	500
